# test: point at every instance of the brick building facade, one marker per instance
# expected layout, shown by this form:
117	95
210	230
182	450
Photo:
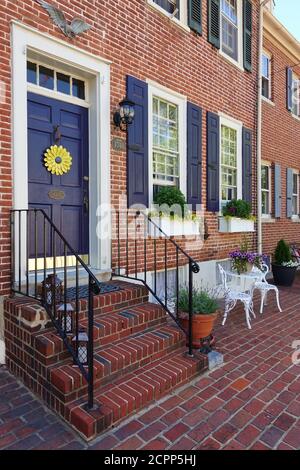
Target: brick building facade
180	57
280	135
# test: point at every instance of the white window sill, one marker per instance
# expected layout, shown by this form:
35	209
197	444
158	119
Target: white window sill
266	219
231	61
163	12
295	117
268	101
295	219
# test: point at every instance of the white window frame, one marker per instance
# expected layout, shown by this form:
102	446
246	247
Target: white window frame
238	127
269	166
296	79
181	101
182	22
240	62
295	216
269	78
38	89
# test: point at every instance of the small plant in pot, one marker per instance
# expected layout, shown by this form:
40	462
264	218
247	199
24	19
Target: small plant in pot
205	312
284	268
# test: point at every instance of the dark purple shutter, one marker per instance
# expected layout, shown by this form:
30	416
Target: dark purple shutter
213	160
289	88
247	33
194	154
247	165
137	144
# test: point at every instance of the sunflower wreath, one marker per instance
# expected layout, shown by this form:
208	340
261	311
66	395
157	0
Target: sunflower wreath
58	160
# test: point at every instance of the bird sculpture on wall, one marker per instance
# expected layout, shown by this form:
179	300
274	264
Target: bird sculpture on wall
71	30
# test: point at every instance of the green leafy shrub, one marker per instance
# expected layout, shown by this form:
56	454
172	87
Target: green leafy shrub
282	253
238	208
204	301
169	196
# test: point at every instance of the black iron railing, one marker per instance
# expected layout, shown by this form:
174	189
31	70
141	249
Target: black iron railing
37	245
144	248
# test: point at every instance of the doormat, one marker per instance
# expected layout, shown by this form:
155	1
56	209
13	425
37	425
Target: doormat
83	291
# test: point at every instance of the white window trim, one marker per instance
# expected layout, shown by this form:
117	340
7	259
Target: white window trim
181	102
36	88
269	165
25	38
296	216
238	126
297	116
269	99
183	22
240	62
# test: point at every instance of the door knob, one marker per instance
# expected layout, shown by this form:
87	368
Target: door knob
86	203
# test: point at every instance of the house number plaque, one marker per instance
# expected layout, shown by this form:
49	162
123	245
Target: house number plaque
56	195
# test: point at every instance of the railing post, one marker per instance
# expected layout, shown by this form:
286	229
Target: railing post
91	345
190	308
12	244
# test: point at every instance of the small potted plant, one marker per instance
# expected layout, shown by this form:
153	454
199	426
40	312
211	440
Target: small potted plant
172	215
237	217
205	312
284	268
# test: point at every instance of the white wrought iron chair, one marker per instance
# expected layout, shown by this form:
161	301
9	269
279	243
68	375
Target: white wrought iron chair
264	287
233	295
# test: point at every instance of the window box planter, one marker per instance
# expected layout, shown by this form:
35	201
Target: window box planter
174	227
235	225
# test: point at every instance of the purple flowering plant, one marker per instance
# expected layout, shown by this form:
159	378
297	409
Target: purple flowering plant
243	259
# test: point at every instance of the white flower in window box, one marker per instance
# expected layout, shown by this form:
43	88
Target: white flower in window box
237	217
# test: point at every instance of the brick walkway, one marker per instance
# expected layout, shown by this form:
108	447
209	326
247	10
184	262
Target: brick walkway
252	402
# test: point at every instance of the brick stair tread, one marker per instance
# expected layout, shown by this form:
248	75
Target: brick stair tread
121	356
133	392
107	328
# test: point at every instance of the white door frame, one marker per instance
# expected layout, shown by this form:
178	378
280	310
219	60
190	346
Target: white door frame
24	38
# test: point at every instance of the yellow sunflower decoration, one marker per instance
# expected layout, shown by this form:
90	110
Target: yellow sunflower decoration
58	160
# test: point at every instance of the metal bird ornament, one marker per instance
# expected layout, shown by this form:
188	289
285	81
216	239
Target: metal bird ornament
71	30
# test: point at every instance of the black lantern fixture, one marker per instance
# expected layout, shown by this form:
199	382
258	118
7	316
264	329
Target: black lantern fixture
82	340
125	116
66	318
52	289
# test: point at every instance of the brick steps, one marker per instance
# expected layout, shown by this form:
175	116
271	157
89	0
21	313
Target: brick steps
107	328
139	357
117	359
134	391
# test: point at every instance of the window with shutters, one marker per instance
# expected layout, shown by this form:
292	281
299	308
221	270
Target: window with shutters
175	9
266	189
295	196
165	144
230	161
296	96
231	30
167	139
266	75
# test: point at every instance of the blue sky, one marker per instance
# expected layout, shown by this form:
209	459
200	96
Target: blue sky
288	12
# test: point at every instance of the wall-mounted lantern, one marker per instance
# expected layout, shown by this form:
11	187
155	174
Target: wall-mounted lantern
125	116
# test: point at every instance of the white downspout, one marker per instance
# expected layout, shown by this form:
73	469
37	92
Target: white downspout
259	126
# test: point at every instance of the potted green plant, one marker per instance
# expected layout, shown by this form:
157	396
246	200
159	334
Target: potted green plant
284	268
237	217
171	213
205	311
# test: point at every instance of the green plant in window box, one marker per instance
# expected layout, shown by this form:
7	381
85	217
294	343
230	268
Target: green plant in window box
169	197
238	208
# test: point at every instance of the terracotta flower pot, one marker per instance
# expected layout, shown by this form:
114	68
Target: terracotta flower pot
202	326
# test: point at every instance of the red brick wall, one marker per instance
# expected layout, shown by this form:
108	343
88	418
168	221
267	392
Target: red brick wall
141	42
281	144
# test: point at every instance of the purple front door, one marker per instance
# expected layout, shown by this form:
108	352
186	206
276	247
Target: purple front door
64	198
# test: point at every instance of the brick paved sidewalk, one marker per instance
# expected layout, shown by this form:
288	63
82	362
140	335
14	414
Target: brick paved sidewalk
252	402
